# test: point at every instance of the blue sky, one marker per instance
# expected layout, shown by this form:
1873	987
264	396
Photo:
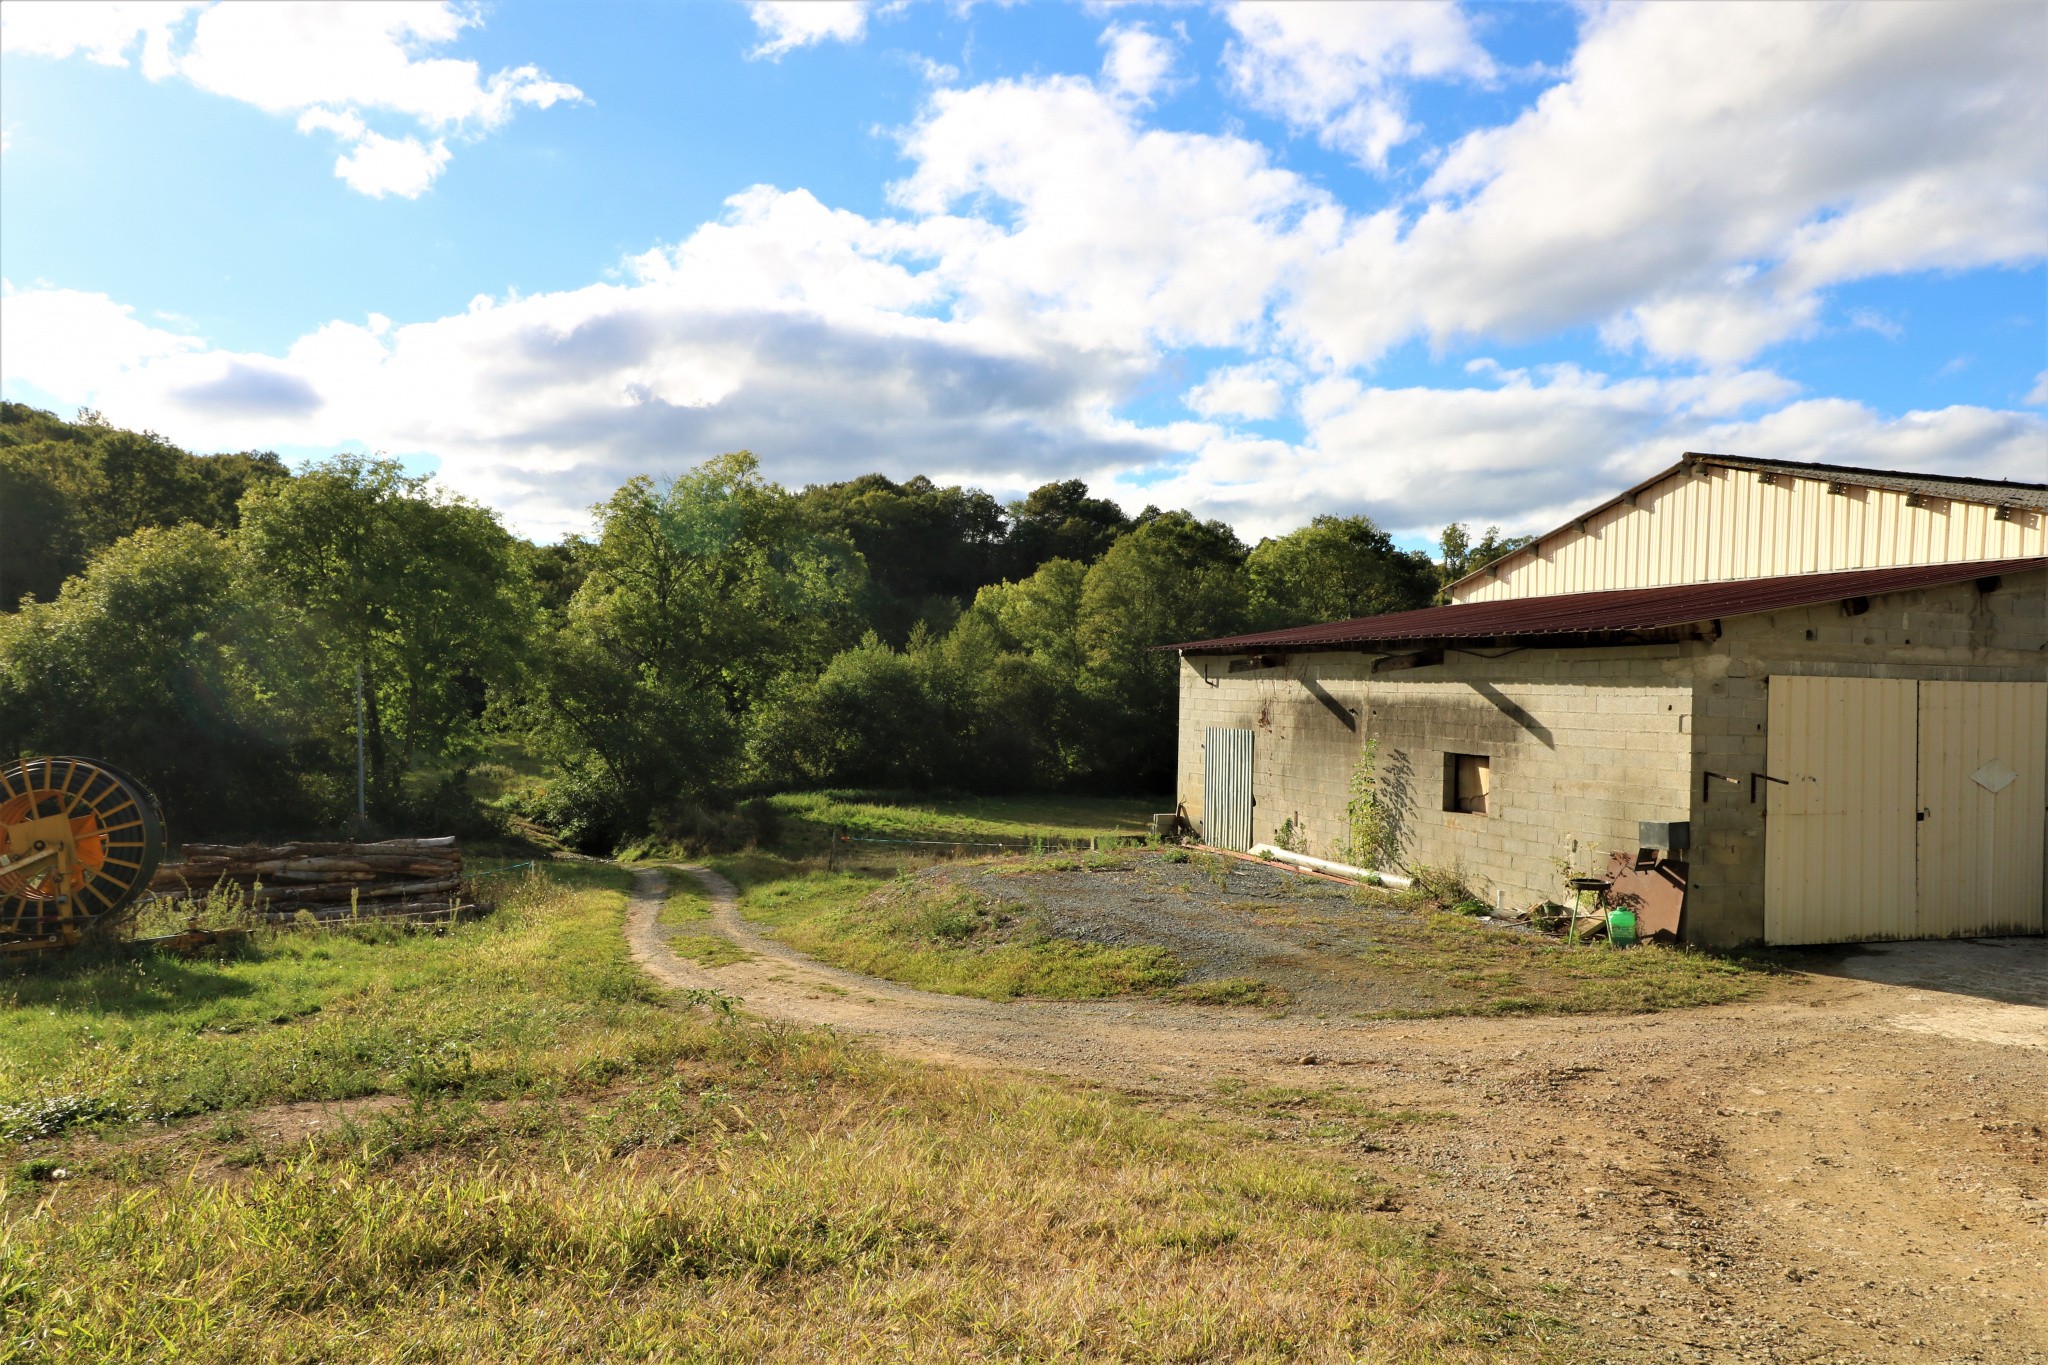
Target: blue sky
1264	261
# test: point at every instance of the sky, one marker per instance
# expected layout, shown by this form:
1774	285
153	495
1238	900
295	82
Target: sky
1427	262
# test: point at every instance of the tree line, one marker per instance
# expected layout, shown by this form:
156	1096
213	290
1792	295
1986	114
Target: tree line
209	621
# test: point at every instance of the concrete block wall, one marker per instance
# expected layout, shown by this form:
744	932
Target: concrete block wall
1582	744
1302	752
1580	750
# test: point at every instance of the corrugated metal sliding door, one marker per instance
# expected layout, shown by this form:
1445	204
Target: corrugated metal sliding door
1983	770
1839	834
1227	788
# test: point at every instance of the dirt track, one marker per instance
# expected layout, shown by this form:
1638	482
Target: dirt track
1854	1170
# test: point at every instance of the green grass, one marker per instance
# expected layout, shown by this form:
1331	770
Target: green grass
334	1015
687	905
573	1165
686	902
948	940
1460	966
881	815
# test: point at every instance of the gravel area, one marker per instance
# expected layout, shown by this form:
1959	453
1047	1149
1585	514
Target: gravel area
1226	919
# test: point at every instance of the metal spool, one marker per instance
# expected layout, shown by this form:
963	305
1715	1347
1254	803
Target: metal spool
79	841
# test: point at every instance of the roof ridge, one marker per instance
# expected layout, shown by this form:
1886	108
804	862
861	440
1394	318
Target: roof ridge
1854	471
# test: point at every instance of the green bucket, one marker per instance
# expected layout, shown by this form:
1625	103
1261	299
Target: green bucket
1621	928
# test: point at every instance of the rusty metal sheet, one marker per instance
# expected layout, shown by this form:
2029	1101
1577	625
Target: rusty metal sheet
1596	613
1655	891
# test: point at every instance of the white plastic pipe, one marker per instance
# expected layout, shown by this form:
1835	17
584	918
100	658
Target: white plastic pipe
1281	855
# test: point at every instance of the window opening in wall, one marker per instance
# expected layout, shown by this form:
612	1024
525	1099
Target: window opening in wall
1468	781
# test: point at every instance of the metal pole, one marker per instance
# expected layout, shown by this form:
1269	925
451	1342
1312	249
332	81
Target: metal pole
362	801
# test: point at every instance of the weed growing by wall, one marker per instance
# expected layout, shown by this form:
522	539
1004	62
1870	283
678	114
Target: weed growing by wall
1371	841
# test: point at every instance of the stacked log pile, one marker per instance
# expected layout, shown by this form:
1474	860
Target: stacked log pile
396	878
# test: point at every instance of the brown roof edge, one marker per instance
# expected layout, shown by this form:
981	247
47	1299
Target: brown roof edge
1897	480
1615	614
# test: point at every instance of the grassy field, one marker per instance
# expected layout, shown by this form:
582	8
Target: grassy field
810	816
502	1143
957	943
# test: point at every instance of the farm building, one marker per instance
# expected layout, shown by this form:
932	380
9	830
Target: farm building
1786	702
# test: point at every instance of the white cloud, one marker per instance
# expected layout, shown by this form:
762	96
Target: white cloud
1138	61
1049	247
68	342
379	165
331	63
1336	69
787	327
2038	395
1117	236
1532	448
1257	391
790	24
1871	320
102	31
1704	172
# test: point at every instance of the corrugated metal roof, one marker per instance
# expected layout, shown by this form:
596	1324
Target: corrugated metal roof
1601	613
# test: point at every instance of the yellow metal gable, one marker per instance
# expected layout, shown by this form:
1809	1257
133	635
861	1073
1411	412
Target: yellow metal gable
1705	523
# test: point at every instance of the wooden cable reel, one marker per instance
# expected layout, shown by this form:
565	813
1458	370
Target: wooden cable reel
79	841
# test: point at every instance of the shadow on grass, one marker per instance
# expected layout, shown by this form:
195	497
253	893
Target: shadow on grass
125	980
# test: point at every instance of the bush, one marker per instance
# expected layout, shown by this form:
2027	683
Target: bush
700	829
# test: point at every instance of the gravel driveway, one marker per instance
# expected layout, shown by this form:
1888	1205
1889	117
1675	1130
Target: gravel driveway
1851	1170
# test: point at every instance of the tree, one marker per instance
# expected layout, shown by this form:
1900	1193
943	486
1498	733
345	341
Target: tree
928	549
1172	579
700	597
70	489
417	588
1333	569
1060	521
161	660
1462	557
868	720
42	537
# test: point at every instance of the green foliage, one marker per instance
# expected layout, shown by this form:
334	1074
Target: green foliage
1172	578
699	598
1462	556
165	659
717	634
1333	569
70	489
418	589
1060	521
927	549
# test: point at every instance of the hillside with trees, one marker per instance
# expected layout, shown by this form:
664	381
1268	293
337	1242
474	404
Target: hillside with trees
203	620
